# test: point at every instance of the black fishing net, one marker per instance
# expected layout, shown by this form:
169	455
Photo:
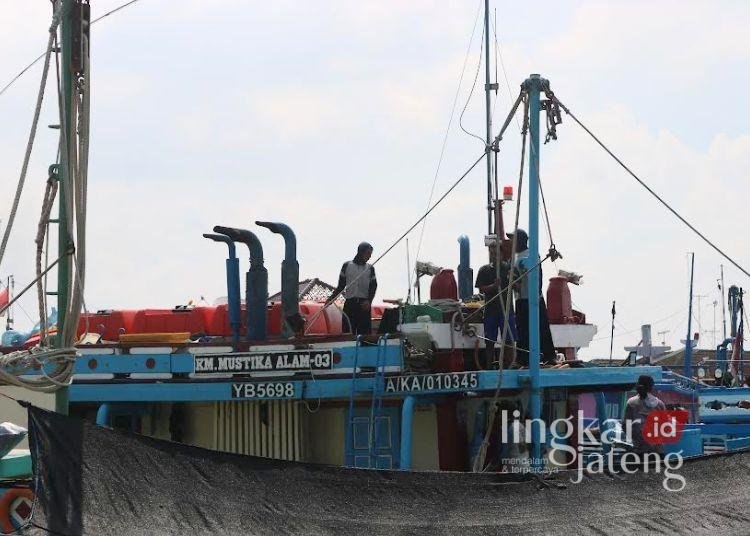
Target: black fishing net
95	481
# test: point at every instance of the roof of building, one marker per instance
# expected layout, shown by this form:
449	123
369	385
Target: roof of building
310	290
700	355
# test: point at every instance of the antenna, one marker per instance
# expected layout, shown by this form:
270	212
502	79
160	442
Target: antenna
612	334
488	88
10	321
408	273
723	305
699	298
663	338
713	331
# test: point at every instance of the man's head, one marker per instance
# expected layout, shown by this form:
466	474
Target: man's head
644	385
522	240
364	251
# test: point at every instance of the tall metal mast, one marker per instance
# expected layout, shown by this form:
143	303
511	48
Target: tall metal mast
534	87
723	307
73	58
66	146
488	87
687	367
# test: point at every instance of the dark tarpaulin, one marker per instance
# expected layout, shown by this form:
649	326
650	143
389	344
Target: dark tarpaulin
95	481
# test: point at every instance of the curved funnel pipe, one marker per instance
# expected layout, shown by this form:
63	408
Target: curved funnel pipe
465	273
256	282
233	284
246	237
289	274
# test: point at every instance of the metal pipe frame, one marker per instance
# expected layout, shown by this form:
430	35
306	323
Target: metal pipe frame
407	424
233	284
534	86
256	282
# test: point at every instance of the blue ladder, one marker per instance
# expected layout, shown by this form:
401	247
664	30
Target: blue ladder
376	402
349	445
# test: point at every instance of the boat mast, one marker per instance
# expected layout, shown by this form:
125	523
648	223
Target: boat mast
723	307
9	321
687	366
73	26
533	86
488	87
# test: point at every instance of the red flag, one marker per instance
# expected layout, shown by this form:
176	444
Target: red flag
4	297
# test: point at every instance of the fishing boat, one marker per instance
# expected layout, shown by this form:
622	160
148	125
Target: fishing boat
263	414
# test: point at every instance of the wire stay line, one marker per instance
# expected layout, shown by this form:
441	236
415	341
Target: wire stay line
40	56
649	189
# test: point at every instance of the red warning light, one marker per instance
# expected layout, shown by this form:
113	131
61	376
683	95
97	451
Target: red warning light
507	193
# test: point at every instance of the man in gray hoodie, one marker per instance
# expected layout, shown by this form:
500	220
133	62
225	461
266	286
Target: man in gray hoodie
637	409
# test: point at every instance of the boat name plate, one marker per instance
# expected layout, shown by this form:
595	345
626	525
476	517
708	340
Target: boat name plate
262	361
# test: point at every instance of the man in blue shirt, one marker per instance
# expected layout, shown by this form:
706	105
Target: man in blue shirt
521	280
492	279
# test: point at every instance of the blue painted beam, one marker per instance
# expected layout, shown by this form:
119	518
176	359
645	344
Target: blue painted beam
737	444
601	415
728	429
332	388
533	86
407	421
169	392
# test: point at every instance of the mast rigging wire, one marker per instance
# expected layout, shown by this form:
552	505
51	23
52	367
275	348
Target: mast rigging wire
448	128
32	133
647	187
36	60
499	55
471	92
487	148
404	234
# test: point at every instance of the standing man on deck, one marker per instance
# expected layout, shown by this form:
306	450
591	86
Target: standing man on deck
521	284
358	283
490	284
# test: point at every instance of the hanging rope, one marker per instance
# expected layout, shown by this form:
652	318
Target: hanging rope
49	200
16	367
32	133
648	188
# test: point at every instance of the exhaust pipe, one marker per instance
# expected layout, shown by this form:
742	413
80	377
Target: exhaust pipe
293	322
465	273
256	282
233	285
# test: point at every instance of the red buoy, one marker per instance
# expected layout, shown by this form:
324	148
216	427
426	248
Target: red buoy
444	286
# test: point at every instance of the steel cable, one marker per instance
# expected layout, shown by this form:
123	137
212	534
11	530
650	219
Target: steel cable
648	188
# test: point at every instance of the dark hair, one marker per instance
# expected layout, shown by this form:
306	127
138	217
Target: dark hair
644	386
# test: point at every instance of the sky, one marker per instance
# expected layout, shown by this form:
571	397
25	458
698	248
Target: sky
330	116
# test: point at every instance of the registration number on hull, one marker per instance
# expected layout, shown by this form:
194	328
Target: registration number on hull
266	390
432	382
